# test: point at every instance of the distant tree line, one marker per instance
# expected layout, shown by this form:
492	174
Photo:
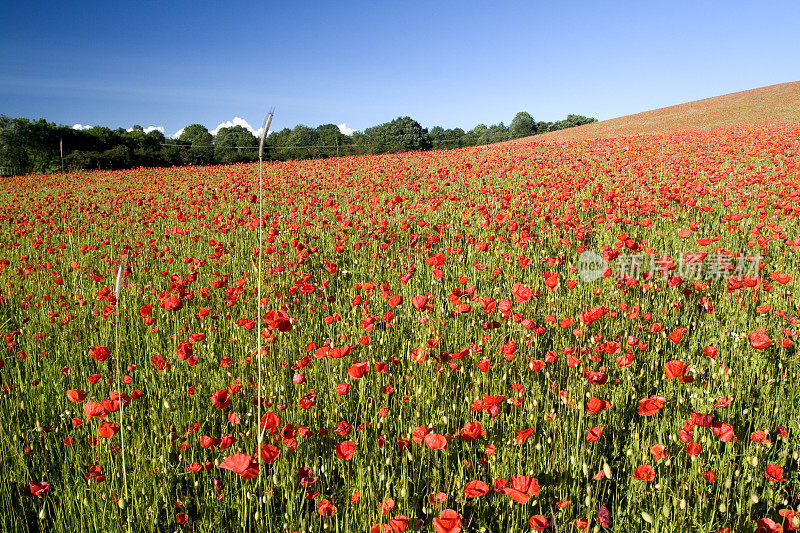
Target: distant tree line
37	146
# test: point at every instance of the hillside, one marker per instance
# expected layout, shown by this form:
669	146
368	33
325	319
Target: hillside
775	103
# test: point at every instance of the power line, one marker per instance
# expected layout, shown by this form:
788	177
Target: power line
266	146
289	146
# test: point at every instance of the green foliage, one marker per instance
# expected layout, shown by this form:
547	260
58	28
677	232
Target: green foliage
443	139
235	144
403	134
523	125
34	146
570	122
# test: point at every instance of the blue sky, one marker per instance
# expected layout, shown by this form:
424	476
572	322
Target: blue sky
454	64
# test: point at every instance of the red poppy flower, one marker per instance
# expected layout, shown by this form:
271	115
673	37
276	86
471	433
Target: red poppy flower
476	489
386	506
759	339
221	399
593	314
693	449
419	302
76	395
400	523
173	303
100	353
774	472
581	523
677	335
326	508
91	409
658	452
108	429
650	406
39	488
345	450
437	498
523	436
209	442
767	525
525	484
594	434
595	405
269	453
781	277
472	431
448	521
435	441
675	369
644	473
538	522
241	464
358	370
722	430
604	516
514	494
791	519
522	293
419	434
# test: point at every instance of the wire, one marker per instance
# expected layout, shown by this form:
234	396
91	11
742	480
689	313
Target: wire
255	148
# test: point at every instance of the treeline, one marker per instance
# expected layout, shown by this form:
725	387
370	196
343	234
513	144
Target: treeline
41	146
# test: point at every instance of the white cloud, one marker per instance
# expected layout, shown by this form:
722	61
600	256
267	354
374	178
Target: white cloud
345	130
177	134
82	127
148	129
237	121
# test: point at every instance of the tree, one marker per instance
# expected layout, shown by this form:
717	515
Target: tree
477	136
13	152
274	143
570	122
403	134
201	151
235	144
523	125
154	140
444	139
498	133
303	142
331	136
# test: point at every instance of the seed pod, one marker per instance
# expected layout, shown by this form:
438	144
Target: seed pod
646	517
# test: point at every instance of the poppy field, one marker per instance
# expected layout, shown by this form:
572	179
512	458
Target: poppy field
432	354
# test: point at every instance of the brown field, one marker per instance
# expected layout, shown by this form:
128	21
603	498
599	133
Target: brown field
773	104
